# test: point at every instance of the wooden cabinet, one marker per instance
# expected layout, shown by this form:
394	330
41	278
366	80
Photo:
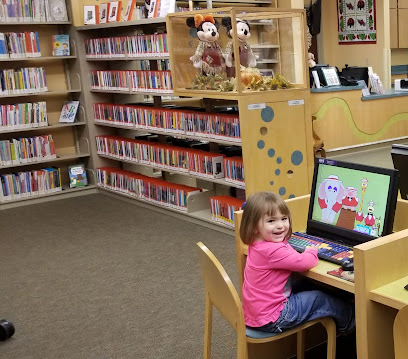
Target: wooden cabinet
398	24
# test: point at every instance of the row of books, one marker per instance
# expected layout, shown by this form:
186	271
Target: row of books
18	45
234	170
223	208
22	81
180	159
23	115
26	150
190	123
20	185
145	188
33	10
132	81
127	46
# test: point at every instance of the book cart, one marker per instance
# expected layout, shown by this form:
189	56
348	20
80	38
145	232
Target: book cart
35	148
274	116
134	128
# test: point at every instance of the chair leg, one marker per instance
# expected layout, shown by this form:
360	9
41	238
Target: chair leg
330	327
300	345
207	327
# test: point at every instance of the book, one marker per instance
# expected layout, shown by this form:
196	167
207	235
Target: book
57	10
68	112
77	175
129	10
103	13
91	14
115	8
60	45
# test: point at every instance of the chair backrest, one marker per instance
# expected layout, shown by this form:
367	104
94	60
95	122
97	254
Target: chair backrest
401	333
220	289
241	248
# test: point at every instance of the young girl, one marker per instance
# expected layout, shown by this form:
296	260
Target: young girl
268	300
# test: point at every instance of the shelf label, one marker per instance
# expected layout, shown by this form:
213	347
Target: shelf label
296	102
256	106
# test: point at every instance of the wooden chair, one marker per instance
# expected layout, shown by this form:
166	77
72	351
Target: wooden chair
401	333
221	294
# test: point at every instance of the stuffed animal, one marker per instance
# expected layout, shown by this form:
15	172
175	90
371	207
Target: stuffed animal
246	57
208	58
311	59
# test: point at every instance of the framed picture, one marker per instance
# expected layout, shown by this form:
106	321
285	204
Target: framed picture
331	76
91	14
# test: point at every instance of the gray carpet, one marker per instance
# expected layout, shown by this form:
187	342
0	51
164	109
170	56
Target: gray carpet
94	277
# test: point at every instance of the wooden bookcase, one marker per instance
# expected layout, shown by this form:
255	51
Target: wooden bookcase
64	83
291	106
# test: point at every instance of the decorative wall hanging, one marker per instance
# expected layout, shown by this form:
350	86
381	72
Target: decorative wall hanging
357	22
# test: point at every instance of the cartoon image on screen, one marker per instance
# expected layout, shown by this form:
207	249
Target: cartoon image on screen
351	199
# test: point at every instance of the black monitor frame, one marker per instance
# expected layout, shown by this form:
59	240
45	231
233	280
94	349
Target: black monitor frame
346	236
399	154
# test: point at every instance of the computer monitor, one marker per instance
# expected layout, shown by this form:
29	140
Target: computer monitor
399	154
351	203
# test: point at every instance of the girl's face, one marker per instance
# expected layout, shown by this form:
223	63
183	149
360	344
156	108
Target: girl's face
273	228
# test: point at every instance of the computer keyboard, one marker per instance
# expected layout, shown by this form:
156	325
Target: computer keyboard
328	250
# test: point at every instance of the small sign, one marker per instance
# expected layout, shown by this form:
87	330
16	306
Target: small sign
256	106
296	102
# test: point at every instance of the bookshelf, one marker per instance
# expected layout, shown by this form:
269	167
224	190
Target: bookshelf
31	136
198	203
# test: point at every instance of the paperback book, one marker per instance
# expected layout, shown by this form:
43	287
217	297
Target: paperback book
60	45
69	111
77	176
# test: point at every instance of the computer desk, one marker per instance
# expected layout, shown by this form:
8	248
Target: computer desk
381	267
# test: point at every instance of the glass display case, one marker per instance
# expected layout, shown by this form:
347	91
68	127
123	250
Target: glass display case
267	45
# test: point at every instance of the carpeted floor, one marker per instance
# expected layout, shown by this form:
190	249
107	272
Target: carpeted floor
95	278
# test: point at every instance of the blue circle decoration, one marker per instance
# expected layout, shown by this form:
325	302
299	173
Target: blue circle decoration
292	196
271	183
297	158
193	33
261	144
277	172
282	191
267	114
279	160
271	152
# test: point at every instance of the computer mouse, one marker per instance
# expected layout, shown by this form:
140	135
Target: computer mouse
348	265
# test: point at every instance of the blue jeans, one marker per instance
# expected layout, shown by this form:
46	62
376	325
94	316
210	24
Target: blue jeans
309	305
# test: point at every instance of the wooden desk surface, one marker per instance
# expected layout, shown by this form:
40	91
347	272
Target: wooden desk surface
319	273
392	294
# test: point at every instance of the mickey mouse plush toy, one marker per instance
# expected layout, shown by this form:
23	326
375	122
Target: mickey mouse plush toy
208	57
246	57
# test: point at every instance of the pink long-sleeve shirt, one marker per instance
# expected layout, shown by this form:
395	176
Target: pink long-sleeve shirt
266	279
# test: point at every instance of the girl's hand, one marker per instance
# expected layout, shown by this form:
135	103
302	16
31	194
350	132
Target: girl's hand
316	245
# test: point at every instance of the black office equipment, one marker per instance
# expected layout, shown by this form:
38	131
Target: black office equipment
399	154
350	204
354	73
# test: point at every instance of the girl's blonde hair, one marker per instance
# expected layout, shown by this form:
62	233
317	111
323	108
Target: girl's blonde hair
258	205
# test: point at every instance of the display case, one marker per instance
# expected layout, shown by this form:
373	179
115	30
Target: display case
204	51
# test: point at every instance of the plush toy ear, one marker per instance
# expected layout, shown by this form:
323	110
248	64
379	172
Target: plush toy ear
226	21
190	22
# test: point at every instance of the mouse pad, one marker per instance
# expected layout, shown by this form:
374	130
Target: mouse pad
340	273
